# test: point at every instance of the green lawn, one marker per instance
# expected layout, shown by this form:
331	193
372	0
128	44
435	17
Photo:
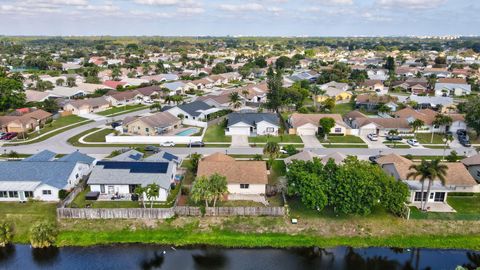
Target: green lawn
122	109
283	138
98	136
278	169
467	207
425	138
343	108
23	215
342	139
216	133
326	145
398	145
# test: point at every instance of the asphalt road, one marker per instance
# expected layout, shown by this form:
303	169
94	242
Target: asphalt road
58	144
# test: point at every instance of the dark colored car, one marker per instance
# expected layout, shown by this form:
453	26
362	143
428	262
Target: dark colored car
152	148
464	141
116	124
9	136
461	132
373	159
394	138
196	144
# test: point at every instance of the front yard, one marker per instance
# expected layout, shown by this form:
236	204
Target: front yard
122	109
283	138
341	139
98	136
216	133
426	138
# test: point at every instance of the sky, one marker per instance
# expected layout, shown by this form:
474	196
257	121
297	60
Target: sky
240	17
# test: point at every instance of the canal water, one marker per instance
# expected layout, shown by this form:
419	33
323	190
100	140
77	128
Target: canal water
208	258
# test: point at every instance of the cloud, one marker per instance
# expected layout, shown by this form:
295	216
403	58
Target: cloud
410	4
190	10
241	7
332	2
160	2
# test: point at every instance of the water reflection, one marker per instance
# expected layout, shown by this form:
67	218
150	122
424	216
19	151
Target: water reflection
474	259
210	259
45	256
6	252
153	263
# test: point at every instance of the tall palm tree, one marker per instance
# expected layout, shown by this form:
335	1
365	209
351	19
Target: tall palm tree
272	150
235	100
441	120
415	125
218	185
245	93
428	170
446	140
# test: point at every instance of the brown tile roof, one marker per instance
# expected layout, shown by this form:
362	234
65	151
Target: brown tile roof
374	99
452	80
93	102
354	115
457	174
160	119
123	95
237	172
473	160
426	115
298	119
223	98
392	123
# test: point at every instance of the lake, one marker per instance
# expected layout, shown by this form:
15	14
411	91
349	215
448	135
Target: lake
165	257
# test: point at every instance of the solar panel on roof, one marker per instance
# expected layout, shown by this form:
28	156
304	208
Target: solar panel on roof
136	156
136	167
169	156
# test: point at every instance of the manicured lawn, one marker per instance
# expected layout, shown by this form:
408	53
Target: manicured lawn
343	108
326	145
425	138
56	124
467	207
398	145
23	215
436	146
98	136
216	133
284	138
122	109
342	139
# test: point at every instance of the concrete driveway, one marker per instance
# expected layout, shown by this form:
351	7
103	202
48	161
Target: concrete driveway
239	141
311	141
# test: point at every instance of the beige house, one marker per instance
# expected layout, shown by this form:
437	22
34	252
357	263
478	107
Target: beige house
308	124
152	125
248	178
24	123
85	106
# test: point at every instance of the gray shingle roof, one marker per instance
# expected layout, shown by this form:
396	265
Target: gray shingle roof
194	108
44	155
253	118
131	155
77	157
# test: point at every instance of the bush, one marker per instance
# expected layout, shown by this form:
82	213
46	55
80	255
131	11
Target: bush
43	234
62	194
6	233
185	191
409	156
452	157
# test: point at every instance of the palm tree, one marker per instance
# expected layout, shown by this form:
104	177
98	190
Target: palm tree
235	100
201	191
315	92
156	106
245	93
43	234
440	120
218	185
428	170
59	82
384	109
393	132
6	233
415	125
139	190
447	140
153	191
272	150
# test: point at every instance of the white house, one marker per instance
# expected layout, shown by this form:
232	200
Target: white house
308	124
41	176
197	110
252	124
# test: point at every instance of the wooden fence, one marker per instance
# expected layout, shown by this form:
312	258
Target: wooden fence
163	213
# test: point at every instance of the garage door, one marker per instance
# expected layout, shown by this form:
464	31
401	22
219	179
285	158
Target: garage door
306	131
365	132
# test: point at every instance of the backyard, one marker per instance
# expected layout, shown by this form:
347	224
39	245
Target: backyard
466	205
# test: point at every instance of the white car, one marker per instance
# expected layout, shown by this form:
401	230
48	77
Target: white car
372	137
167	144
413	142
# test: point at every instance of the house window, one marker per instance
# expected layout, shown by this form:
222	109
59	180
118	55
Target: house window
338	130
270	129
478	173
431	195
3	194
439	196
46	192
76	176
13	194
28	194
244	186
418	196
147	130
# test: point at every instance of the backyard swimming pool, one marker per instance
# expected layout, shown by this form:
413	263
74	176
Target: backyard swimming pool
188	132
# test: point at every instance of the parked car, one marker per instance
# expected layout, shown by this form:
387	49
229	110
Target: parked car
151	148
2	134
373	159
464	141
394	138
461	132
167	144
413	142
196	144
116	124
372	137
283	151
9	136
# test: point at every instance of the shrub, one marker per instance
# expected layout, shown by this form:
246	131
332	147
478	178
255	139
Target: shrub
43	234
6	233
62	194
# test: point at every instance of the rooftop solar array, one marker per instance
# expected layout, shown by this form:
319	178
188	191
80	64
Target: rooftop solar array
135	167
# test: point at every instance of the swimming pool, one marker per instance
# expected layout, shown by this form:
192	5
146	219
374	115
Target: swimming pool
188	132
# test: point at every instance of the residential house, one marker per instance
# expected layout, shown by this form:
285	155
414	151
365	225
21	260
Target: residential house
255	93
309	124
151	125
150	93
24	122
438	103
161	77
372	85
179	87
457	179
337	94
38	96
197	110
377	74
371	102
245	179
252	124
333	84
452	87
121	176
473	166
413	85
115	84
380	126
428	117
221	100
86	106
67	92
41	176
117	98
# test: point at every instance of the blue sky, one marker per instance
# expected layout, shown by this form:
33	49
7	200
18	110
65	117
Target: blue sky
240	17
